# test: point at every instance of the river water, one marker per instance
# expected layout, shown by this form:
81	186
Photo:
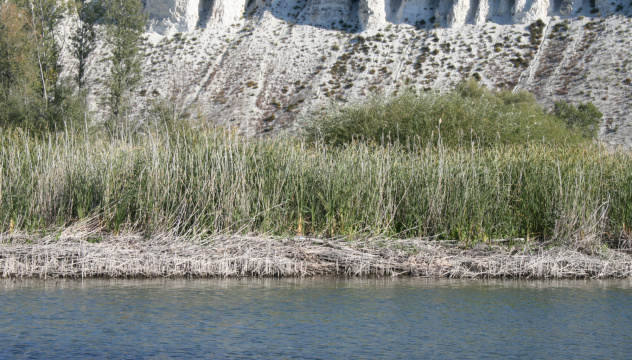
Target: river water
317	318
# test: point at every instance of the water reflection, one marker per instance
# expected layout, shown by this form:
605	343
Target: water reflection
324	281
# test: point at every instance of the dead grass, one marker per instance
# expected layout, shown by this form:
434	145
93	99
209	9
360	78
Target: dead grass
65	256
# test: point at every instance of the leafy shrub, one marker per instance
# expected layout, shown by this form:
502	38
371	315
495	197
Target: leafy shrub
470	113
536	30
586	118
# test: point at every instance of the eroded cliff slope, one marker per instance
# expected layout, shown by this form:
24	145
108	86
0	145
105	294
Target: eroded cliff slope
260	65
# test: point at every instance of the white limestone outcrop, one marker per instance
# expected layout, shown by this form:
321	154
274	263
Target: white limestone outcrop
168	16
327	12
525	11
372	14
224	12
416	11
456	12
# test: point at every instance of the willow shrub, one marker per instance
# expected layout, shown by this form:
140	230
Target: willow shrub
205	182
470	113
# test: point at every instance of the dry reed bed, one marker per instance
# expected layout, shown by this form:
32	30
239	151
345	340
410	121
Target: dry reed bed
238	256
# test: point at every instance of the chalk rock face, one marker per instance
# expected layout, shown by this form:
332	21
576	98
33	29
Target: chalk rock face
372	13
483	11
168	16
567	7
607	7
414	11
504	8
222	12
526	11
327	12
456	12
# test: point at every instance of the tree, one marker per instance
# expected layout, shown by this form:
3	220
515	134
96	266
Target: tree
17	70
32	96
84	40
45	16
125	24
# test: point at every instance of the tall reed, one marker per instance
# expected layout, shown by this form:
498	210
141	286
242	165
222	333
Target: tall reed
208	182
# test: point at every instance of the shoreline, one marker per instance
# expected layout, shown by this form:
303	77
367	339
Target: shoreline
27	257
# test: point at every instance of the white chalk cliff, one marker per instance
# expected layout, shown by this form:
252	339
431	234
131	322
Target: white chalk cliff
168	16
262	66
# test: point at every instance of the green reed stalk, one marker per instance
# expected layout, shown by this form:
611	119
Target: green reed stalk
208	182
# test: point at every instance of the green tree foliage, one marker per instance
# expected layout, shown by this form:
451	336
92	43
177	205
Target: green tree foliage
84	39
45	16
584	117
125	25
32	96
17	71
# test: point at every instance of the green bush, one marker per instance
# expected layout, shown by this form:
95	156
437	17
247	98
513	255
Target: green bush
67	110
470	113
585	117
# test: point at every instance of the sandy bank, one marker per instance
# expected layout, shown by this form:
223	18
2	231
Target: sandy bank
237	256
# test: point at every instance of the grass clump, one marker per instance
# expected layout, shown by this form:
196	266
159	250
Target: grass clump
205	182
470	113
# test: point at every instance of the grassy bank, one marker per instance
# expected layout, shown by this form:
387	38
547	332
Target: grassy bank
207	182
